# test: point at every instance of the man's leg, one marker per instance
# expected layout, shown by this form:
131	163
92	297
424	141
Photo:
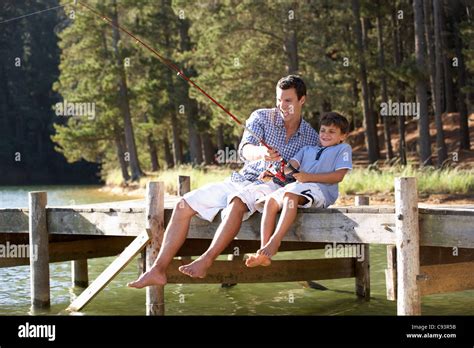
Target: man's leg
225	234
174	237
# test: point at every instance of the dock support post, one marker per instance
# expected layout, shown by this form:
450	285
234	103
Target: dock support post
39	251
362	268
155	211
80	276
184	184
408	246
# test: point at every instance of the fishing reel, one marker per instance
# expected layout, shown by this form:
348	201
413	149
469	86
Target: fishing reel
278	176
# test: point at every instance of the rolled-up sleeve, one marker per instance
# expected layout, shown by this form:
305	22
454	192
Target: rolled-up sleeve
255	124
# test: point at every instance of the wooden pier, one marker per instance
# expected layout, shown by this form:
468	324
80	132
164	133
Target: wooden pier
428	250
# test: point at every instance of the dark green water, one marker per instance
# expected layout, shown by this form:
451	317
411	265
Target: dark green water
182	299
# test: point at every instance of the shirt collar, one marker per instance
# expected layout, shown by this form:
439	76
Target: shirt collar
281	124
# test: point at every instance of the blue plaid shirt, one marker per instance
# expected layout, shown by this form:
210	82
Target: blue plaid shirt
269	126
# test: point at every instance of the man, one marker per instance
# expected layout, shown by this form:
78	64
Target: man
284	130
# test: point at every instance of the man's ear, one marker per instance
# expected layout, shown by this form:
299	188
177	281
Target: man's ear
302	100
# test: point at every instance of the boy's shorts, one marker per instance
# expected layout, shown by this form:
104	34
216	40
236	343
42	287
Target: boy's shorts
209	199
308	190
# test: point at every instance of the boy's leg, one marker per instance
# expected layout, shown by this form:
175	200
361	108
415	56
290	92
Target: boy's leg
287	217
267	227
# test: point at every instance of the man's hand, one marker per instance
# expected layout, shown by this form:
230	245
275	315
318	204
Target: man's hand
269	154
302	177
266	176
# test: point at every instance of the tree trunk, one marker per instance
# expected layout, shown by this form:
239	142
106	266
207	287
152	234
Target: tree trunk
370	128
220	138
424	123
124	102
191	104
386	121
440	144
290	46
430	50
450	105
168	155
208	148
398	49
121	154
464	141
155	165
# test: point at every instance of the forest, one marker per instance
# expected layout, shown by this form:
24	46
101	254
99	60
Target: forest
77	95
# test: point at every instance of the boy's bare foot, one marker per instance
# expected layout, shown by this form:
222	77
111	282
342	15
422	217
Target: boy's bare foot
197	268
152	277
258	260
269	249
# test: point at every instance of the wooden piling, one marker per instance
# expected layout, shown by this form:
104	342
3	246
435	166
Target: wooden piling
391	273
408	246
155	209
184	184
362	267
80	275
39	250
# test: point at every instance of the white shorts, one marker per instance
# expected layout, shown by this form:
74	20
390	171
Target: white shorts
308	190
209	199
250	195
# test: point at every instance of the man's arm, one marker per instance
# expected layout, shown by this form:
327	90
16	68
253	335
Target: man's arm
324	178
255	153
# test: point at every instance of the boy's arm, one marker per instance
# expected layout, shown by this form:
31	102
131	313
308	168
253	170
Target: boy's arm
295	164
324	178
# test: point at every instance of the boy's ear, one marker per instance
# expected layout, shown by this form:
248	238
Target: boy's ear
302	100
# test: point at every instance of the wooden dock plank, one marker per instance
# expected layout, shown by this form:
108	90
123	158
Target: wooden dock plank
278	271
436	279
441	228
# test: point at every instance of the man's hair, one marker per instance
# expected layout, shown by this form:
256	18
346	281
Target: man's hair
335	119
293	81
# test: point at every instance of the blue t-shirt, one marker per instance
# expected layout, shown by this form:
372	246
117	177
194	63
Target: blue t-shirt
318	159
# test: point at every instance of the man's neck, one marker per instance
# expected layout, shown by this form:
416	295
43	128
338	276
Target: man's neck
292	127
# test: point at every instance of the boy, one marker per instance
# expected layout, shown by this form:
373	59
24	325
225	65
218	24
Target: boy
314	163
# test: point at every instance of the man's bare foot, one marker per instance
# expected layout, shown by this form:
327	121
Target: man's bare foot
269	249
152	277
197	268
258	260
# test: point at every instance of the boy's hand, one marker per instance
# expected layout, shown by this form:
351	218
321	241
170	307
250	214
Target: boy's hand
302	177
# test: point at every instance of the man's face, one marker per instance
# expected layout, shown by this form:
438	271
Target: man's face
331	135
288	103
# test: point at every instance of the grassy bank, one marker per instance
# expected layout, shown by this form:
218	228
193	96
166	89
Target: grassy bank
360	180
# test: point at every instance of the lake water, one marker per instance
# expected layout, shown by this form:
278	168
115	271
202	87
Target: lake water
289	298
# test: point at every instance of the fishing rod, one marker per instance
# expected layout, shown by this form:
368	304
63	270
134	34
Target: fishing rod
280	175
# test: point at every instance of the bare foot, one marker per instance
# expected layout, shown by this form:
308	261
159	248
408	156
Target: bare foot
152	277
258	260
269	249
197	268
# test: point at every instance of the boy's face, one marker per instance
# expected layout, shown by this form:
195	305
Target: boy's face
288	103
331	135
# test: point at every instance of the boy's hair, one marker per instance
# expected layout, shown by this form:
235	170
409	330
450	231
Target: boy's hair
335	119
293	81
